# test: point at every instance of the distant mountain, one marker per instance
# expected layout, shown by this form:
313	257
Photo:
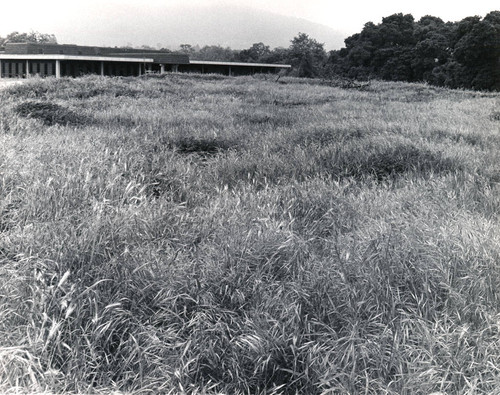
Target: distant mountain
164	26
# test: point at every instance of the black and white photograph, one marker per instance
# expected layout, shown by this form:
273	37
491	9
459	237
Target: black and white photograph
216	197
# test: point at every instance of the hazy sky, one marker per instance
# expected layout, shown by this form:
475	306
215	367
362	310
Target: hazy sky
347	16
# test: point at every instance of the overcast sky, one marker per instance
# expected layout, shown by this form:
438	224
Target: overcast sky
346	16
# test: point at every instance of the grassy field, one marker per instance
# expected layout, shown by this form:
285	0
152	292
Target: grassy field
208	234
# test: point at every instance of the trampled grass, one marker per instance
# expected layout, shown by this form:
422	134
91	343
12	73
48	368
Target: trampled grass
207	234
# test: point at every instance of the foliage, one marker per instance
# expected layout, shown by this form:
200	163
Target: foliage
32	37
458	55
188	49
258	52
210	52
307	56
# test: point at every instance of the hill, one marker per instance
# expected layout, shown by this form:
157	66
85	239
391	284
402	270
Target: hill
236	27
211	234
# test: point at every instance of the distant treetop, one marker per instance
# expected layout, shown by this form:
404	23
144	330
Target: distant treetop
32	37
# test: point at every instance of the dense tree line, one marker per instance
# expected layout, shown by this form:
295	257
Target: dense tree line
463	54
307	56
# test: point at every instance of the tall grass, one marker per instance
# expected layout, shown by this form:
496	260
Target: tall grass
236	235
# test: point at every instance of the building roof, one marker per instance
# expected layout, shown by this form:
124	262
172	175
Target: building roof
75	57
209	62
158	57
80	52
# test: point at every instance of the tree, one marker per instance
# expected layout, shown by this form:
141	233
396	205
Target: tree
216	53
380	51
397	30
187	49
463	54
432	49
32	37
478	50
307	56
277	55
392	60
256	53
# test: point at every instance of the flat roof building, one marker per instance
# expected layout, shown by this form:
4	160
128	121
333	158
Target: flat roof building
22	60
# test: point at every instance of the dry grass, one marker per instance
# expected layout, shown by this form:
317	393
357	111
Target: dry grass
204	234
8	83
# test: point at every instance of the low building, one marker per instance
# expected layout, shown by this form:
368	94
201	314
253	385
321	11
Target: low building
22	60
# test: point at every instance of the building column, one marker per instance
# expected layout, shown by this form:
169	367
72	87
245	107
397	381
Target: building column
229	70
1	70
102	68
175	68
27	68
140	69
58	69
162	69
